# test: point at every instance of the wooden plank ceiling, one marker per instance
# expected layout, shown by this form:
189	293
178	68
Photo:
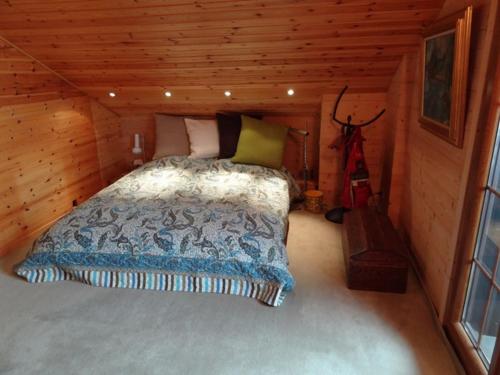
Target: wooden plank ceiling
197	50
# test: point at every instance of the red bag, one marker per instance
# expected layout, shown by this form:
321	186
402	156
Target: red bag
357	188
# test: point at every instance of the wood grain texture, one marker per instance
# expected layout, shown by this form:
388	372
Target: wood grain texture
50	134
110	148
398	109
24	81
435	175
197	50
293	157
144	125
49	159
362	107
374	256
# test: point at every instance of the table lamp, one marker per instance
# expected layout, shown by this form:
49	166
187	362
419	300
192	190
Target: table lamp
138	151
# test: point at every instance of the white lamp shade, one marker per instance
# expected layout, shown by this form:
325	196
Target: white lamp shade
137	145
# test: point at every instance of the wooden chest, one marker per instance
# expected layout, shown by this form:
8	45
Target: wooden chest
375	257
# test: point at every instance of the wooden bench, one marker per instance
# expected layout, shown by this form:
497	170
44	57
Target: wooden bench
375	257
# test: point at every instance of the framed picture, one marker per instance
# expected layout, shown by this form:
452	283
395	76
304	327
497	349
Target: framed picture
445	63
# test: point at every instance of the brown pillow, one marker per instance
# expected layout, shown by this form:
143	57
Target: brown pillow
229	133
229	125
171	136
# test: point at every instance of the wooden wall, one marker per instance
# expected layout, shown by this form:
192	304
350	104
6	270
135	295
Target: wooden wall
293	158
428	189
145	125
362	107
398	110
49	156
107	127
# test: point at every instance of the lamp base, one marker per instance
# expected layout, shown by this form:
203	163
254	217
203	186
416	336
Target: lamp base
138	162
336	215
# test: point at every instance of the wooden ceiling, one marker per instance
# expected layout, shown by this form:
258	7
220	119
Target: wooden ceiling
257	49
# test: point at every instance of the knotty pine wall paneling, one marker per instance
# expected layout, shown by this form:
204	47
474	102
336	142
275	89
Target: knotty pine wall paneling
435	172
110	148
49	159
293	157
50	134
143	125
398	109
362	107
24	81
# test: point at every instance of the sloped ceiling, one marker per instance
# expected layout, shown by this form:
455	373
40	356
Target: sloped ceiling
257	49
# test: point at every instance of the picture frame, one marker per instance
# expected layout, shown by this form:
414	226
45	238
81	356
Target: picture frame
444	68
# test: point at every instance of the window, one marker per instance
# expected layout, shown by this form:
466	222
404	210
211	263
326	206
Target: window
481	313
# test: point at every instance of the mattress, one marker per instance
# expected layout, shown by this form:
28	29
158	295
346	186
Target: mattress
176	224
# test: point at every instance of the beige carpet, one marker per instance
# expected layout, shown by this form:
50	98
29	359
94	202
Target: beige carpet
322	328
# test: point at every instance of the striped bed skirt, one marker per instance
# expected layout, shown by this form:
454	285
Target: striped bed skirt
271	294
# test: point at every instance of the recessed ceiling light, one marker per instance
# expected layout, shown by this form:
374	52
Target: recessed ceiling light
290	92
168	94
227	93
112	94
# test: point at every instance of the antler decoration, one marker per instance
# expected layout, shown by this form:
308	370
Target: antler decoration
347	127
349	117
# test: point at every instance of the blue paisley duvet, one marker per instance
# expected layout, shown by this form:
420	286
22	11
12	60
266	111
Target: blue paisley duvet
176	224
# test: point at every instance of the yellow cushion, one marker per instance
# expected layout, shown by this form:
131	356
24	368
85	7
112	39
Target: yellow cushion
260	143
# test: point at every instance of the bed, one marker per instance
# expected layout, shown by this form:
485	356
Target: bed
177	224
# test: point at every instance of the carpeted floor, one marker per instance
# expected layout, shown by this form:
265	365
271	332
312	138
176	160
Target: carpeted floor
322	328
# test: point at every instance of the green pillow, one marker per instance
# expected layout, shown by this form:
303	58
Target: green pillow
260	143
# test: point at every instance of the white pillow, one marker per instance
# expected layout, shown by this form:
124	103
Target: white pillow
203	138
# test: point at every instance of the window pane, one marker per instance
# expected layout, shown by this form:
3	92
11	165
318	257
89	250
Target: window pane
476	303
495	164
489	333
496	178
490	241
